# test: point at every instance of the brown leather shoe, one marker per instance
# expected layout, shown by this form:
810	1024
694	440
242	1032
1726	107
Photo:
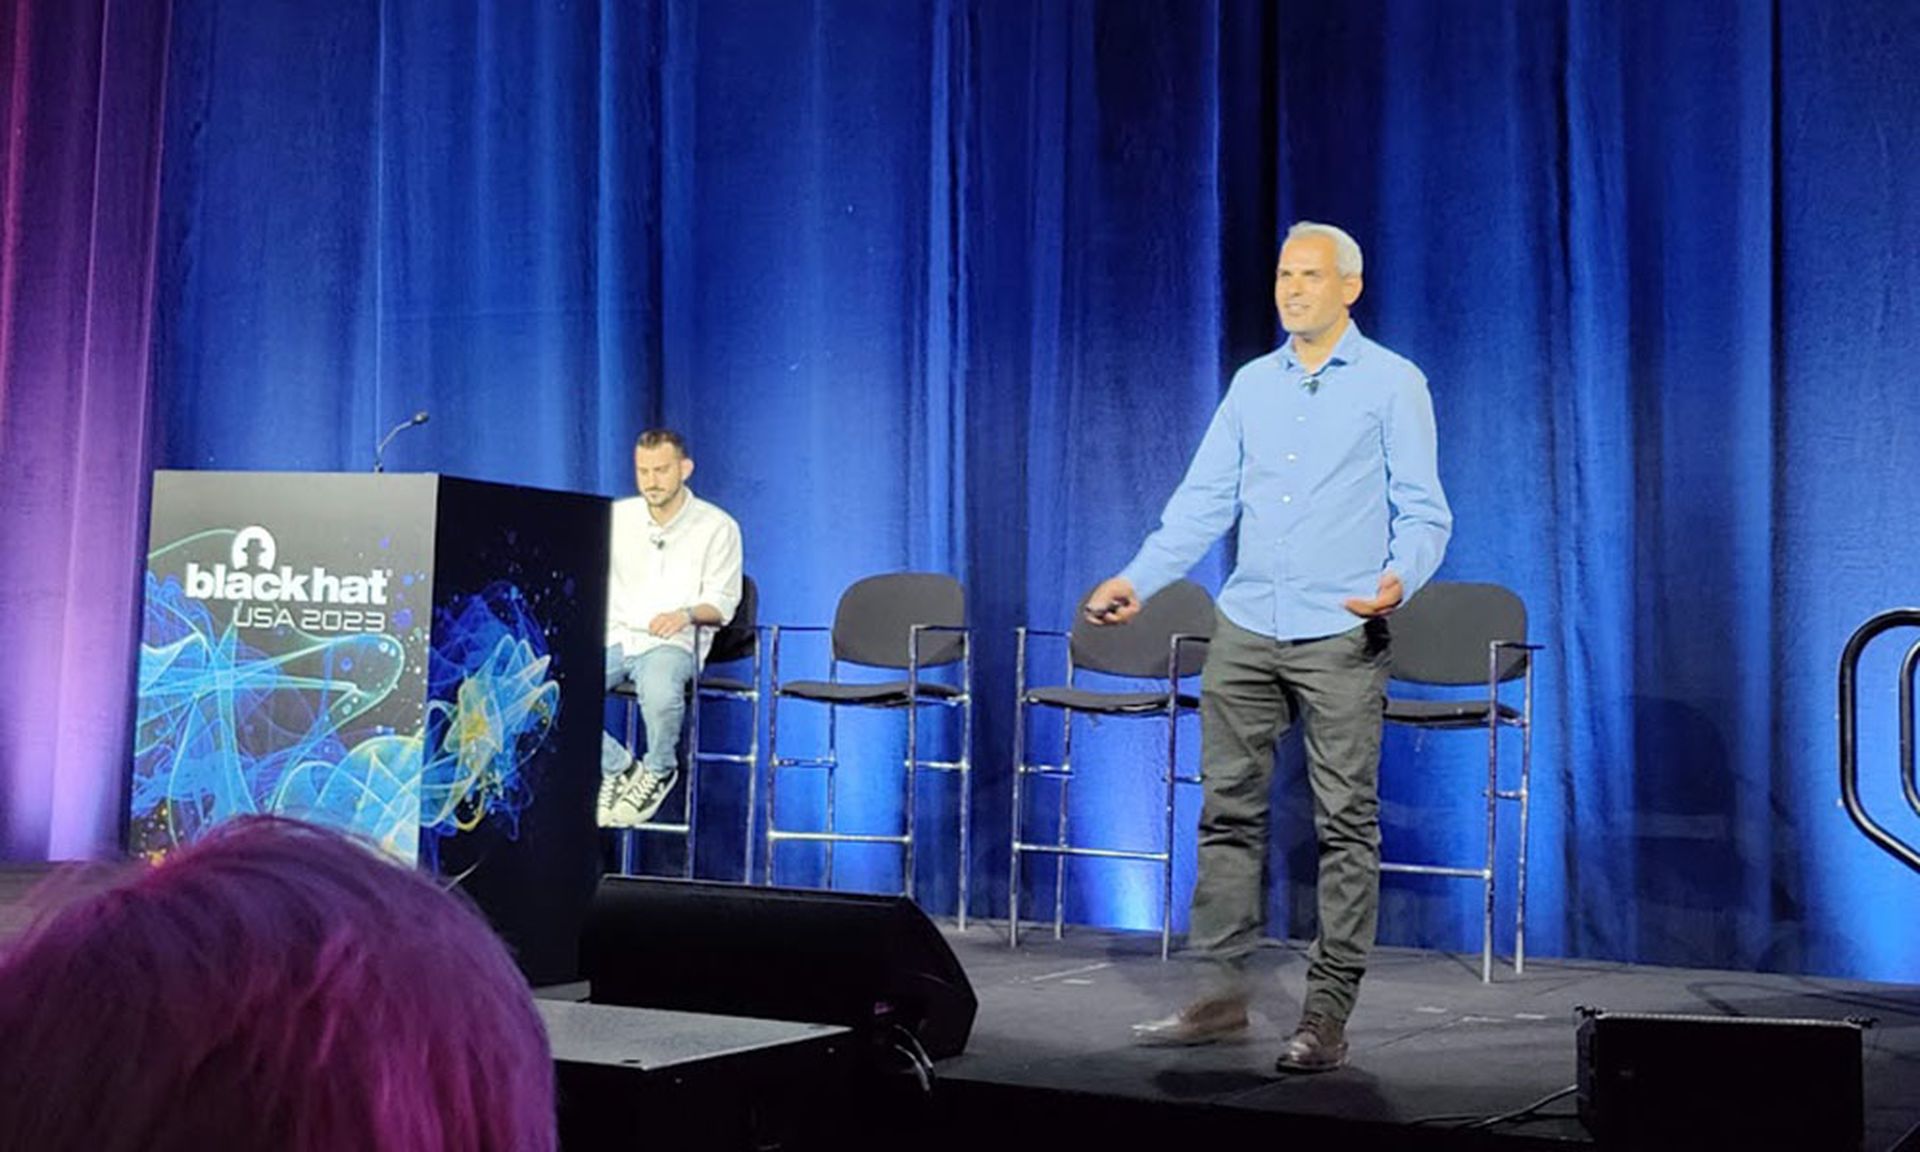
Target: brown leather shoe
1201	1022
1319	1044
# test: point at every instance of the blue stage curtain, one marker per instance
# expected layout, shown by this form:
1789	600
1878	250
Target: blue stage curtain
955	286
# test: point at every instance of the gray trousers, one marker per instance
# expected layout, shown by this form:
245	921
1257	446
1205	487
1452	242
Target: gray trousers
1253	689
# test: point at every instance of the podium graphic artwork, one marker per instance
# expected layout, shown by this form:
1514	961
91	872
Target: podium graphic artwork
414	659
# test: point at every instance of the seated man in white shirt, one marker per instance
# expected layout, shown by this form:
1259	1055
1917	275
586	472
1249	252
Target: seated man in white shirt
675	564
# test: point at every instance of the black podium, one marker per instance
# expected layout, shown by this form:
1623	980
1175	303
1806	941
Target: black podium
416	659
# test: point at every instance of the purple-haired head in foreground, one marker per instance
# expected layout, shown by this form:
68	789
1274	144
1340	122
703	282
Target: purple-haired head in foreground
273	986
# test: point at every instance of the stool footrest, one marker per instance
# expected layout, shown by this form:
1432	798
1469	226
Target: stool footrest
1100	853
668	829
839	837
1435	870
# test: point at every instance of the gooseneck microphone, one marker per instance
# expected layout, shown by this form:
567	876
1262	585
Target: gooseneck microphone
380	452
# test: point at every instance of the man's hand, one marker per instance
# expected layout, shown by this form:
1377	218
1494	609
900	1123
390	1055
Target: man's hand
1384	601
1113	602
668	623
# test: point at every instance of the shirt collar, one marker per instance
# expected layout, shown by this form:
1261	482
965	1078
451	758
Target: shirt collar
1347	350
677	516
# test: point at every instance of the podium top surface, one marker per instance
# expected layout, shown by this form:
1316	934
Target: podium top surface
364	477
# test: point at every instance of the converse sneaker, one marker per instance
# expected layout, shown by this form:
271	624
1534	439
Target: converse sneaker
641	796
609	789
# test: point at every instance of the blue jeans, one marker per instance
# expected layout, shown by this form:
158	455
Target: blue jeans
660	674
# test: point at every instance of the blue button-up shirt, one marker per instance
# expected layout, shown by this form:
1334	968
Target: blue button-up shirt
1333	476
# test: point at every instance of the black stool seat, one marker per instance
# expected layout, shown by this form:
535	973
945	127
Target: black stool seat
1107	703
883	694
1446	713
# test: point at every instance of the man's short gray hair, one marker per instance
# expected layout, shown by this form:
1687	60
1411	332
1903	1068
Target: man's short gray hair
1346	250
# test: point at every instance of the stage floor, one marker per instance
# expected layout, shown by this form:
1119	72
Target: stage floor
1428	1038
1051	1055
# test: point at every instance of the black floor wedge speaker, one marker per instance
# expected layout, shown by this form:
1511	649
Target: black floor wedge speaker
1653	1081
872	963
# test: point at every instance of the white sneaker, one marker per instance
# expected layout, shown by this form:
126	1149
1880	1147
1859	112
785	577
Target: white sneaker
609	788
640	796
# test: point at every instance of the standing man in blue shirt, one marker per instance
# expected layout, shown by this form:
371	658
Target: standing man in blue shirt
1323	450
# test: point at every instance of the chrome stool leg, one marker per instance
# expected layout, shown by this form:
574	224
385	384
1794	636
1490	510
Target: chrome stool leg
1062	829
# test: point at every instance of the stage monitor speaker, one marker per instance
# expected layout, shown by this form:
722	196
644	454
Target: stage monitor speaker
870	963
1650	1080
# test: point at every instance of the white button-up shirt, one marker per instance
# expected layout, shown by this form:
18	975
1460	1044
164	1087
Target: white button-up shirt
692	559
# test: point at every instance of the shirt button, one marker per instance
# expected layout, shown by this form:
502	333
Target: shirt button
1286	499
1291	456
1300	419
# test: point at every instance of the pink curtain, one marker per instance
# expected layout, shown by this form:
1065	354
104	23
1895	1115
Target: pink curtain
81	101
